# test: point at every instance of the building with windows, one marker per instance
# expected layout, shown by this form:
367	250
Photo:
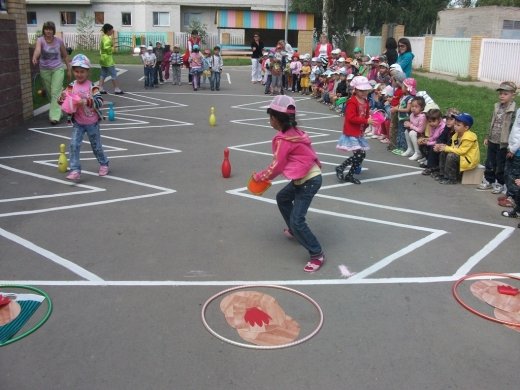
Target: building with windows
489	22
134	15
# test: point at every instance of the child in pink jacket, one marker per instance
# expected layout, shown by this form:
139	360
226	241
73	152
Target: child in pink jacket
295	158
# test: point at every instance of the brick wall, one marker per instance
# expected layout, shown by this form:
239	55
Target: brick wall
305	42
15	71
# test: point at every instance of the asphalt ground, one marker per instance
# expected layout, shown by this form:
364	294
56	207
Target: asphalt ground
131	258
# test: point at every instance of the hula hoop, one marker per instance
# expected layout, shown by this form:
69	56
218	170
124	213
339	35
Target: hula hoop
474	311
39	324
252	346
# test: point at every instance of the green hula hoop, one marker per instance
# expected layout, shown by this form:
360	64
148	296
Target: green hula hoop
39	324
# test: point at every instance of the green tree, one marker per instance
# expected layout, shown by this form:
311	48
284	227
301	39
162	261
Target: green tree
346	16
195	24
503	3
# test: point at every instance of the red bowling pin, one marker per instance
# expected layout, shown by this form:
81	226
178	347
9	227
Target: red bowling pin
226	165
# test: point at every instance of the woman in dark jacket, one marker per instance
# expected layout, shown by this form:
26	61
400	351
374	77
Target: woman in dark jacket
257	48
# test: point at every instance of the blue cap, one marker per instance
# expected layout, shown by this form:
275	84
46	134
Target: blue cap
464	118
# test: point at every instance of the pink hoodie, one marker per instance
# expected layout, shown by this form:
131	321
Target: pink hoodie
434	133
293	156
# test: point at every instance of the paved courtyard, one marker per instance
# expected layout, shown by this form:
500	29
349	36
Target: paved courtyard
131	258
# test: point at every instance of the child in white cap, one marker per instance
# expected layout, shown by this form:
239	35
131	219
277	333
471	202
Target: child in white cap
357	118
85	117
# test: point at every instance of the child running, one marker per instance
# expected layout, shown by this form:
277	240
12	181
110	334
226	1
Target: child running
295	158
85	118
357	117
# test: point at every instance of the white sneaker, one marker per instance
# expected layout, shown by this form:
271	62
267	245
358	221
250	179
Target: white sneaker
374	136
497	188
415	157
369	134
484	185
407	153
422	160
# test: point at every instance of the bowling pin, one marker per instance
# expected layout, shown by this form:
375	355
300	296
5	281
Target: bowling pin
212	117
111	112
63	163
226	165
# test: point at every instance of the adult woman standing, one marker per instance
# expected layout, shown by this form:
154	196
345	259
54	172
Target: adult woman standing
50	54
257	48
324	50
391	51
106	59
406	56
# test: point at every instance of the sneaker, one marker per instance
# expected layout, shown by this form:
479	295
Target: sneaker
415	157
407	153
339	173
484	186
397	152
119	92
422	160
352	179
103	170
73	176
423	165
509	214
447	181
426	172
385	141
314	264
103	92
497	188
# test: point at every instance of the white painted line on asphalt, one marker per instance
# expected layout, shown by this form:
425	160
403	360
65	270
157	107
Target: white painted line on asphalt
51	256
213	283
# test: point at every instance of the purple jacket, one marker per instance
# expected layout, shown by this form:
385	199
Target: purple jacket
293	156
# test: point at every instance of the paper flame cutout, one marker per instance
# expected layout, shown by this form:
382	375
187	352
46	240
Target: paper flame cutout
254	315
507	290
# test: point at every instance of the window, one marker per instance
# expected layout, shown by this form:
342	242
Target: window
31	18
511	25
126	19
99	18
190	17
67	18
161	18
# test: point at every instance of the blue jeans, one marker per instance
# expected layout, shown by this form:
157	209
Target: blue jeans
214	81
293	202
95	142
148	76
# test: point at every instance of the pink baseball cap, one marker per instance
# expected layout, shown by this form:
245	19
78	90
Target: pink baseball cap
361	83
284	104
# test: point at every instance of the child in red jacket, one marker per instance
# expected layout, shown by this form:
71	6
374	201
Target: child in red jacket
357	118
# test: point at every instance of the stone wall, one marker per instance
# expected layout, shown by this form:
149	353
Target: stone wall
479	21
15	67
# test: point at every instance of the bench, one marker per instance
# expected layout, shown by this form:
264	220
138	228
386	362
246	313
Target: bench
473	176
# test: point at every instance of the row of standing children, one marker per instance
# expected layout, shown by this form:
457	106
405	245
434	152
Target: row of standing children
202	66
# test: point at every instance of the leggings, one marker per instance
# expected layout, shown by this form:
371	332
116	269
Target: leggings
354	161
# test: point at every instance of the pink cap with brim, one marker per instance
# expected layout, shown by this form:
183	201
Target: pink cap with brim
284	104
411	85
361	83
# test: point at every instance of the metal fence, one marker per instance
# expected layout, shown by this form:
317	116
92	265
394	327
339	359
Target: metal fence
417	44
451	56
499	59
372	45
211	39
